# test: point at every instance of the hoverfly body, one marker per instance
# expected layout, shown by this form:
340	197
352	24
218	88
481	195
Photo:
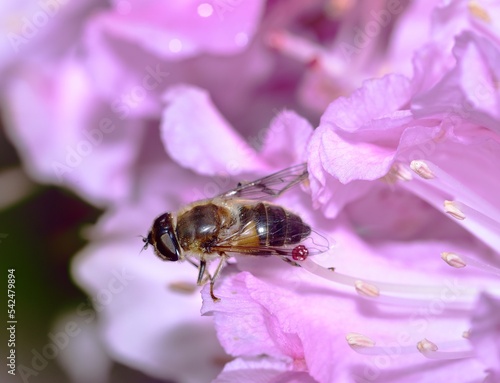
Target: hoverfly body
239	221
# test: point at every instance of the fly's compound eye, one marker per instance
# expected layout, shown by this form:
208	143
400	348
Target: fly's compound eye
163	238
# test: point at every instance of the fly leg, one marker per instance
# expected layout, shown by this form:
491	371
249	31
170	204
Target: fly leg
293	263
220	266
203	275
290	262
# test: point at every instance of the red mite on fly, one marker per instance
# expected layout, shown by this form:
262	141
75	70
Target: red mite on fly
239	221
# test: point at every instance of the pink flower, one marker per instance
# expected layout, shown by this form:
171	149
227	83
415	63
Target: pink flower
89	122
407	165
95	98
31	30
152	105
69	137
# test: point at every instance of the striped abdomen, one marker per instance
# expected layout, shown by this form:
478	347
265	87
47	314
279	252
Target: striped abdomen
273	225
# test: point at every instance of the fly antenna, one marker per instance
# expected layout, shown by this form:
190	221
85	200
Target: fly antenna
146	243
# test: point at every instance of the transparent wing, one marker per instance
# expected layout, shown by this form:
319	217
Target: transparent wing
270	186
246	241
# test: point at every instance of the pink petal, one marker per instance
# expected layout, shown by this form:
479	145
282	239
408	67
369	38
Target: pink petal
419	221
340	163
485	333
134	297
451	19
247	330
321	321
286	139
327	191
357	140
262	370
69	137
133	79
366	105
289	314
198	137
252	319
177	30
349	159
468	91
32	30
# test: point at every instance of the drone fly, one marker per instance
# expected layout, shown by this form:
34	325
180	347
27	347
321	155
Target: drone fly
239	221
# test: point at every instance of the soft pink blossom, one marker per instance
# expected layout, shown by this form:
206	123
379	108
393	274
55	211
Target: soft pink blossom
116	63
428	144
31	30
69	137
177	101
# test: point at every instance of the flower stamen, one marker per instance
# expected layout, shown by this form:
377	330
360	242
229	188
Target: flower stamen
460	261
364	345
366	289
359	341
389	293
453	259
425	345
294	47
453	208
305	51
397	172
483	220
382	350
431	351
422	169
467	196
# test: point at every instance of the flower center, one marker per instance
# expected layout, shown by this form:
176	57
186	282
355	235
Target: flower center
468	209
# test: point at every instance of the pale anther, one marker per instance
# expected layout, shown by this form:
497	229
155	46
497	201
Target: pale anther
404	174
422	169
453	259
451	208
366	289
426	345
359	340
